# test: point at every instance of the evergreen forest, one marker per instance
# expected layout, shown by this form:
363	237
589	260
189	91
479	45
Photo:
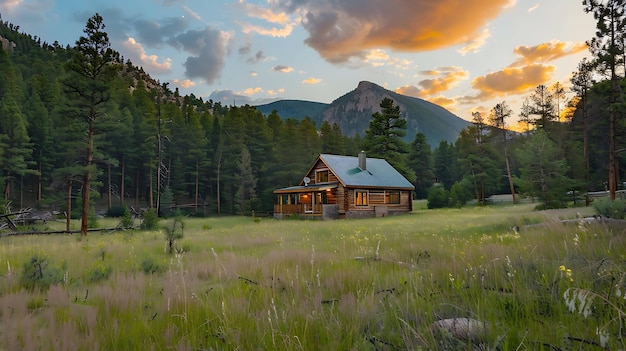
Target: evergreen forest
80	117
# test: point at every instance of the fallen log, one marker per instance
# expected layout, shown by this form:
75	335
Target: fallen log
47	232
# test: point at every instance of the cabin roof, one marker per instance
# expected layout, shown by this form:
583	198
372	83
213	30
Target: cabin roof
378	173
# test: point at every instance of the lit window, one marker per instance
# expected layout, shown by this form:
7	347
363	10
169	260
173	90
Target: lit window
392	197
361	197
322	177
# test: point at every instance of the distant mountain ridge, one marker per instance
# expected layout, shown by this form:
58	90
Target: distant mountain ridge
353	112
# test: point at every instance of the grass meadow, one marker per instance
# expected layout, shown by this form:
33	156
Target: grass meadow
237	283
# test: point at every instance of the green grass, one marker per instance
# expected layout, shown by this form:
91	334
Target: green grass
370	284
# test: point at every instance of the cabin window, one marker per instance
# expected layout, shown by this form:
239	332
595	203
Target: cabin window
321	176
360	197
392	197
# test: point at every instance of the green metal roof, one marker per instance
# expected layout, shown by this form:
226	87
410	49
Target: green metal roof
378	173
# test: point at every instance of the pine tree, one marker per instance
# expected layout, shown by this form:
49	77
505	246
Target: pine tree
420	162
383	139
543	171
87	86
15	147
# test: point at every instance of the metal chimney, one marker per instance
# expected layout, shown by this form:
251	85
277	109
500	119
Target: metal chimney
362	161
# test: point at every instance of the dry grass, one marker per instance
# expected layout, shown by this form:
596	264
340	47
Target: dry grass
374	284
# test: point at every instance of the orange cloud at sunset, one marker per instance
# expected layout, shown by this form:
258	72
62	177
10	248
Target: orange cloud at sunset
547	51
512	80
312	81
342	30
446	78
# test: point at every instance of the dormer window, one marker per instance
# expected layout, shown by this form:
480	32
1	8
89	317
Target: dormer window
321	176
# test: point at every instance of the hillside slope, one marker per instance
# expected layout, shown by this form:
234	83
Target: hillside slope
353	112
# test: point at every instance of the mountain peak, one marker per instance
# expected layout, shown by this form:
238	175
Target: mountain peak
365	85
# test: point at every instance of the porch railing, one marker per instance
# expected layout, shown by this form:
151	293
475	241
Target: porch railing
298	208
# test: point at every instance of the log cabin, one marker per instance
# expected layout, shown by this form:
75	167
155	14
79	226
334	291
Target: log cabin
346	187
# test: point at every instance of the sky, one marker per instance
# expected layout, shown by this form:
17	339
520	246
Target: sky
464	55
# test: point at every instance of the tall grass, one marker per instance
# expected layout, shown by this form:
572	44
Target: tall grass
372	284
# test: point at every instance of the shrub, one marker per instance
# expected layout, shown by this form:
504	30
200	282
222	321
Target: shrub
613	209
35	303
150	220
437	197
116	211
99	272
93	218
150	266
127	219
38	274
460	193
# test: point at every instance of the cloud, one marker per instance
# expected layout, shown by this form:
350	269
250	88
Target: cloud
443	101
246	48
275	92
185	83
259	56
546	52
150	62
153	34
511	80
27	11
476	43
533	8
341	30
282	68
208	48
376	57
229	97
191	13
10	6
273	32
445	79
312	81
264	13
251	91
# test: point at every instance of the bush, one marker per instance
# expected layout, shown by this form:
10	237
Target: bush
460	193
93	218
613	209
116	211
99	272
38	274
150	220
437	197
150	266
127	219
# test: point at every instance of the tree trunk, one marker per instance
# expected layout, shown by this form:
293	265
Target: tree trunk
122	184
110	190
508	174
197	181
84	223
612	158
68	213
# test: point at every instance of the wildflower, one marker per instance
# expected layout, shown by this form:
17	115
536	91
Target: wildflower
562	268
568	274
604	336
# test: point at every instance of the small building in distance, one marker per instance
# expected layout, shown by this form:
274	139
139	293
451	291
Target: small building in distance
346	187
